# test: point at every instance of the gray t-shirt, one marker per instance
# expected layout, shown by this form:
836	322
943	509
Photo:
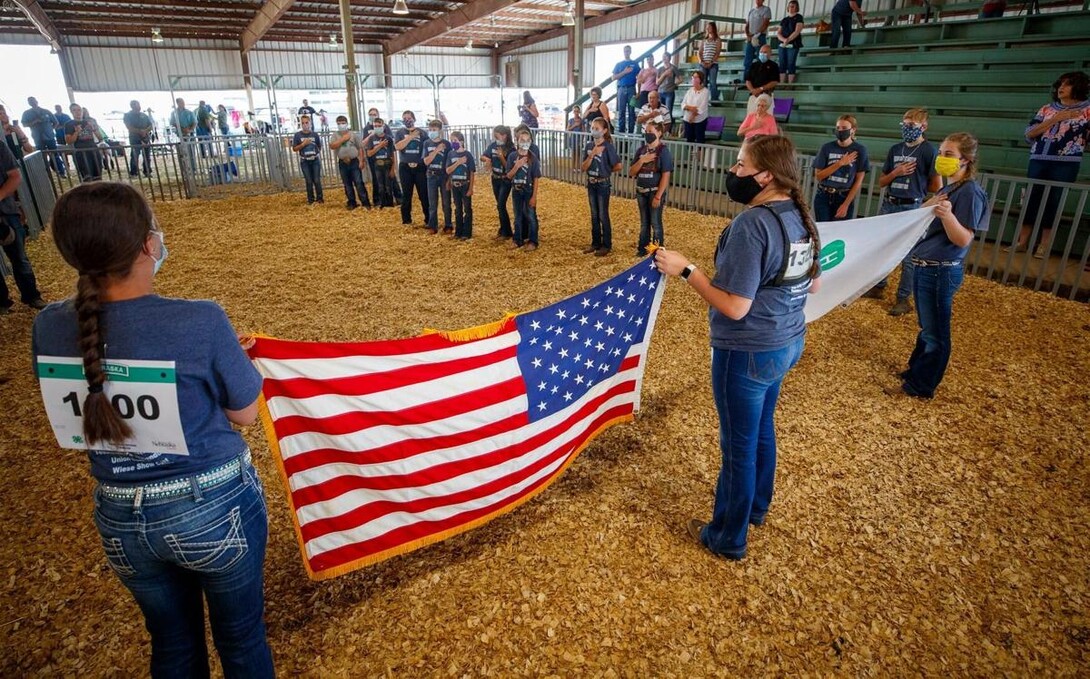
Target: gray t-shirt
749	259
351	148
757	17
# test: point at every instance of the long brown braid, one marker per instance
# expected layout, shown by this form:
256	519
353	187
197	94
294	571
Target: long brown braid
100	229
777	155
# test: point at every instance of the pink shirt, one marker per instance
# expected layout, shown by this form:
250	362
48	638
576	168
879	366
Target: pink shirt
648	78
767	126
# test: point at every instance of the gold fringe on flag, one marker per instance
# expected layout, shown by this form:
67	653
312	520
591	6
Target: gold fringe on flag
475	333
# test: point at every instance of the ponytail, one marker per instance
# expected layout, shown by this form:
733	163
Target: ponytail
101	421
811	228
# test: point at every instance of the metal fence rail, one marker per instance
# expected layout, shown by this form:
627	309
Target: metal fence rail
202	168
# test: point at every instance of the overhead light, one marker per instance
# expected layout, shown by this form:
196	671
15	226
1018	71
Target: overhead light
496	44
569	17
469	45
333	39
491	19
156	35
400	7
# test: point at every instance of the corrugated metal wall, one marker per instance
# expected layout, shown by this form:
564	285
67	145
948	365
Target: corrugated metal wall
474	67
309	69
653	25
106	69
550	69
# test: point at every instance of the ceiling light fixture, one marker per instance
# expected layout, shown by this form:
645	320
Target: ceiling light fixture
492	20
469	45
400	7
156	36
569	17
333	39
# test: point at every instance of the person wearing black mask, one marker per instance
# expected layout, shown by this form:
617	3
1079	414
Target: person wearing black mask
839	168
414	175
765	264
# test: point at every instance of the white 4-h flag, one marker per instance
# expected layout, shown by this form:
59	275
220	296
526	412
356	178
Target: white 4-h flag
857	253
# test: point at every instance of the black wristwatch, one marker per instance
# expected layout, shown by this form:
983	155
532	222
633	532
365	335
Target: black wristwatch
687	271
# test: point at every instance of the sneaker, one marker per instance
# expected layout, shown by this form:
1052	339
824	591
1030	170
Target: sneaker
590	250
901	308
1039	254
602	252
531	246
36	303
874	293
694	528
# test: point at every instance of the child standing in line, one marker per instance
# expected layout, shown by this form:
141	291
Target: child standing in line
907	176
349	146
524	172
461	169
380	149
599	160
308	145
435	159
652	169
495	157
840	167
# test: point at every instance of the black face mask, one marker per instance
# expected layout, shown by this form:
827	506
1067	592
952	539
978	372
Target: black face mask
742	189
843	135
650	137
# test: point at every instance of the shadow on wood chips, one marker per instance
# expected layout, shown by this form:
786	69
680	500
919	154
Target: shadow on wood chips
905	537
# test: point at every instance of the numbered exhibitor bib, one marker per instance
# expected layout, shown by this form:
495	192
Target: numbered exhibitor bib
145	394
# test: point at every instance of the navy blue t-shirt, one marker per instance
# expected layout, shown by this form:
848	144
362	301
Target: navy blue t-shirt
526	176
911	185
844	177
602	165
413	151
439	163
845	6
751	256
650	173
463	171
213	374
970	206
7	164
496	155
311	150
384	152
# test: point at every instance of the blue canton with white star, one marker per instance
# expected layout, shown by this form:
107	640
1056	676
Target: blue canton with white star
569	347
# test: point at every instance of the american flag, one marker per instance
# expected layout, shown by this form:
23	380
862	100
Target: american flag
389	446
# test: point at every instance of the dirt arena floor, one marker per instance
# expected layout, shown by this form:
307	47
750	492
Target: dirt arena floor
948	537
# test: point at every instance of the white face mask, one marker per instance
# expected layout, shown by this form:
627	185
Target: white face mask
524	146
343	127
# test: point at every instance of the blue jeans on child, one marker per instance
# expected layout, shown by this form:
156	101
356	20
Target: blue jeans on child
934	288
826	204
525	227
904	288
312	175
650	219
21	270
601	228
463	209
437	189
352	178
745	385
173	554
501	188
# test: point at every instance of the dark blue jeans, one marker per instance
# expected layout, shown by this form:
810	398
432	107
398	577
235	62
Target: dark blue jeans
667	99
413	178
525	230
1046	170
745	385
463	209
626	115
904	288
47	143
20	265
789	57
711	80
352	178
826	205
601	228
650	219
438	191
312	175
174	554
139	149
934	288
501	188
384	186
841	24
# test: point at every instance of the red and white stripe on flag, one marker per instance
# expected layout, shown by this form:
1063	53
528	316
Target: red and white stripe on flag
388	446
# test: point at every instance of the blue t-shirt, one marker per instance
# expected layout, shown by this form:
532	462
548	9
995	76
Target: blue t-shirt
384	153
751	256
651	173
40	121
602	165
496	155
845	6
970	206
184	119
630	79
313	147
526	176
213	374
412	153
462	172
844	177
439	163
911	185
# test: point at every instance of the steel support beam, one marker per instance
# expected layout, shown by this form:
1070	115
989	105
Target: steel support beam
436	27
37	16
617	15
268	15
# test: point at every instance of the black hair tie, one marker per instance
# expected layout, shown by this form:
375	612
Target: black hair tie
94	389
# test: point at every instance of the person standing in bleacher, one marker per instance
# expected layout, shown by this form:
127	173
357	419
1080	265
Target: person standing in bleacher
839	168
710	49
625	73
667	80
757	22
842	21
790	37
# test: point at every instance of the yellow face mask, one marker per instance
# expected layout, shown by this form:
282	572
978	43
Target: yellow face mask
947	166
